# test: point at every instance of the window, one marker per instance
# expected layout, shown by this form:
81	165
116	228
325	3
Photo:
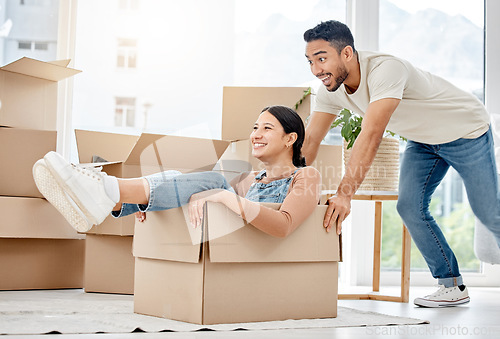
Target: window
125	112
447	39
127	53
178	55
24	45
129	5
33	45
41	46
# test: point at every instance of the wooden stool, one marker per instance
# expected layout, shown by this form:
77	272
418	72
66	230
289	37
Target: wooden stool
405	257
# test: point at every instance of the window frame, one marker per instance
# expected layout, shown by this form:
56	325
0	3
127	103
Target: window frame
362	17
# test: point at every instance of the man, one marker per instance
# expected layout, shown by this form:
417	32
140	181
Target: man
445	127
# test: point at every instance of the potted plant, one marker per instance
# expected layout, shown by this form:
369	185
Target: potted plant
384	171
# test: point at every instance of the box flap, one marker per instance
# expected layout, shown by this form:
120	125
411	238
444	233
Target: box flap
167	235
62	63
238	158
33	218
40	69
155	153
231	240
112	147
241	107
329	163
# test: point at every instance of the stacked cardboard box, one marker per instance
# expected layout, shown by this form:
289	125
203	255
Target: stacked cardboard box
38	248
109	263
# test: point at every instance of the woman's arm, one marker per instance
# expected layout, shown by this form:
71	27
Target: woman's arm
300	202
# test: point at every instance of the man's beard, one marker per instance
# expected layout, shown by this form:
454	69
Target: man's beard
339	80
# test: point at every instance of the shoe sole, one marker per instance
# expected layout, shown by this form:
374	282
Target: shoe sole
50	189
90	216
441	303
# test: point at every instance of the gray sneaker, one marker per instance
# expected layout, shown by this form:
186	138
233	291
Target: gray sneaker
84	185
50	189
445	297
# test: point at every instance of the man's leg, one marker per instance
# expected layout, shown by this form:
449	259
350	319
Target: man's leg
422	169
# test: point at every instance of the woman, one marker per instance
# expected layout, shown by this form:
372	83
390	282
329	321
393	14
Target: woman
87	196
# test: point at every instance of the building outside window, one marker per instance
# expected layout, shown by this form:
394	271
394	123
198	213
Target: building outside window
28	32
177	56
126	53
125	112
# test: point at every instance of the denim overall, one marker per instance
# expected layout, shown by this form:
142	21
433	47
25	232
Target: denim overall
172	189
275	191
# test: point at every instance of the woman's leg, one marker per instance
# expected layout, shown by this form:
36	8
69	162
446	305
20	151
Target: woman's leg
164	190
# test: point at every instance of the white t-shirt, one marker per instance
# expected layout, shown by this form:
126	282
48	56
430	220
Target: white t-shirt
431	110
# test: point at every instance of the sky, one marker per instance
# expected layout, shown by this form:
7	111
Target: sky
471	9
258	10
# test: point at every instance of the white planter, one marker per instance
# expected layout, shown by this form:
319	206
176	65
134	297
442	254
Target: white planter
384	172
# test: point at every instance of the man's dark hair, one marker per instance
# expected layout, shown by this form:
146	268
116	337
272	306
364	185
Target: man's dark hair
335	32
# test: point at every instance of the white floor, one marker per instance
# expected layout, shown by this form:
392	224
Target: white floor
478	319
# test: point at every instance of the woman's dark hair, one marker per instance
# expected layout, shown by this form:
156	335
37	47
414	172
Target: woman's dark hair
291	122
335	32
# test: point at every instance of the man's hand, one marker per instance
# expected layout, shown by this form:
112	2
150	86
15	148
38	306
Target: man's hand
339	208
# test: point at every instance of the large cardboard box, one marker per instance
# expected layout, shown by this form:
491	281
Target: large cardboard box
38	248
28	93
229	271
133	156
241	107
20	149
109	264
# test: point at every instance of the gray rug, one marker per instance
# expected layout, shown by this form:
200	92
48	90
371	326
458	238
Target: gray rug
77	312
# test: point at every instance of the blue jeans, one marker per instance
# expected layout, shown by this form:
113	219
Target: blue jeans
171	189
422	169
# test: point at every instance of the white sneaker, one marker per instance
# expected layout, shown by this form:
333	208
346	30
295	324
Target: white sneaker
84	185
445	297
50	189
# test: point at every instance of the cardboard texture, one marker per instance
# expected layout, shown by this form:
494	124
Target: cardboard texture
21	148
28	93
109	264
238	274
241	107
38	248
33	218
28	264
144	155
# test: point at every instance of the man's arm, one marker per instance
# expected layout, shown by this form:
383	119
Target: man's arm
316	130
363	152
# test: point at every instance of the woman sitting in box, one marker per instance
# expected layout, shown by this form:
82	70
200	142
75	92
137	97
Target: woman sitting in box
86	196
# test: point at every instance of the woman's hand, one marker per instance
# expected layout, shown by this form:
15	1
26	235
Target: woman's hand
197	201
141	216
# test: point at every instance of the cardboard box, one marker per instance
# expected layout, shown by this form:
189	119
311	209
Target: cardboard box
241	107
109	264
38	248
20	149
28	264
28	93
134	156
237	273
